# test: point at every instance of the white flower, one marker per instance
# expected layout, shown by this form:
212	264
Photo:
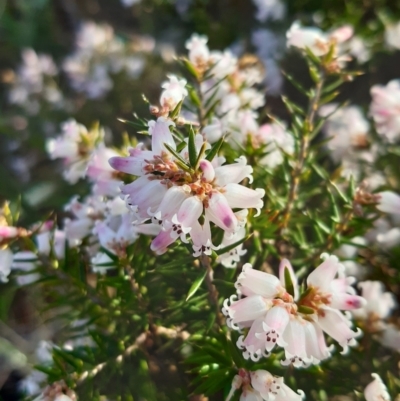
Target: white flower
392	36
101	174
32	79
376	390
84	215
73	145
390	337
347	130
389	202
379	303
129	3
385	110
292	321
359	49
316	40
174	91
175	198
261	385
199	53
272	388
349	251
116	233
224	63
276	139
231	258
270	9
6	258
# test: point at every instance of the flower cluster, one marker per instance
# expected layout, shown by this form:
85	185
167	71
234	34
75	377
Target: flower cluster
34	80
230	85
182	192
275	314
98	54
261	385
384	110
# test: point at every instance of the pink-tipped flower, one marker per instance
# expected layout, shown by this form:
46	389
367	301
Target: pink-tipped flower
261	385
385	110
278	315
184	201
273	388
376	390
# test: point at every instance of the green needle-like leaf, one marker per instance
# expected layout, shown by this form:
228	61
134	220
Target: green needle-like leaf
288	282
215	149
192	147
232	246
196	285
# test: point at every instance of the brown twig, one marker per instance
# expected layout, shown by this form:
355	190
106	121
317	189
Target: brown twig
212	290
304	146
140	341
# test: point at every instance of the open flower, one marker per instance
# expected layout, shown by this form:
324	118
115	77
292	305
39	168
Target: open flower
184	200
376	390
388	202
261	385
276	315
385	110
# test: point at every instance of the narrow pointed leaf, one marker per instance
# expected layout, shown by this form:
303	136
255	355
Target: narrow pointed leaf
196	285
232	246
192	147
176	111
174	153
215	149
288	282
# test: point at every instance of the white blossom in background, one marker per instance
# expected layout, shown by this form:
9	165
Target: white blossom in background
99	172
380	303
269	48
348	253
26	262
384	110
6	258
359	49
231	87
295	322
392	36
199	53
98	54
376	390
31	384
389	202
129	3
231	258
174	91
390	337
277	141
270	9
175	198
73	145
384	234
347	129
261	385
83	217
34	80
320	42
